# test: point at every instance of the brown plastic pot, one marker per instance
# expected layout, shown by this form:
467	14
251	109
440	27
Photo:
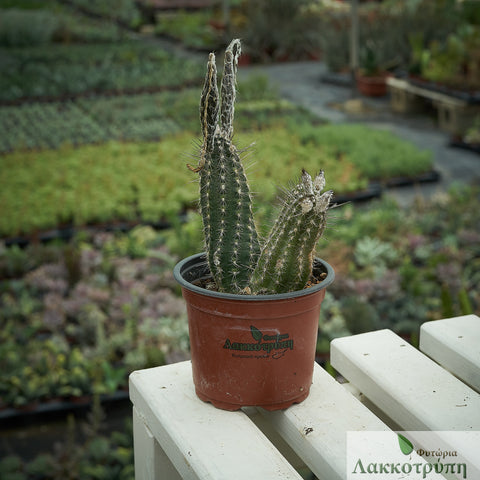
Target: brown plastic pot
251	350
372	86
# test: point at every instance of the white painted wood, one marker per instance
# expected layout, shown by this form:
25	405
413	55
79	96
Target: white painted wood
425	92
269	431
454	343
409	387
203	442
151	463
317	428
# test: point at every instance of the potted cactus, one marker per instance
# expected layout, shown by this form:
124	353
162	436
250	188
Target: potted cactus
253	306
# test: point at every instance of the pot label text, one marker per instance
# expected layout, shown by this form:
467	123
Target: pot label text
267	346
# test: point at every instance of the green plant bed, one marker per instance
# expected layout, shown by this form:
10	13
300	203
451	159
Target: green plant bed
138	181
76	319
123	11
400	268
141	117
84	450
193	29
378	154
48	126
67	70
93	184
35	23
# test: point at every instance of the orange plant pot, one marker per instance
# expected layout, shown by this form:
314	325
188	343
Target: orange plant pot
372	86
251	350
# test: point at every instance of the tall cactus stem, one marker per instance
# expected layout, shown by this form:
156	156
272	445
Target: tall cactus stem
225	202
228	90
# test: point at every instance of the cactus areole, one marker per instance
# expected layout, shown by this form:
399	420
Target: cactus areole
253	305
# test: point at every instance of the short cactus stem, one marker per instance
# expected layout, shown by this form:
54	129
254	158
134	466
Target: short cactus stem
286	260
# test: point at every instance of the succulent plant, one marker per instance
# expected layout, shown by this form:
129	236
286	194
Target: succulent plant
239	262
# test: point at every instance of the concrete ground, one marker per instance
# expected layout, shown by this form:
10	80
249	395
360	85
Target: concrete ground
303	83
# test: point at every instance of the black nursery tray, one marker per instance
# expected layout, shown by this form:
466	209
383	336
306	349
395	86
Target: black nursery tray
50	410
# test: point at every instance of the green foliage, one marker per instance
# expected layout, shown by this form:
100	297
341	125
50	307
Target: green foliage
124	11
143	117
97	456
279	29
387	25
283	151
366	149
136	181
453	60
51	125
74	27
68	339
59	70
22	28
131	182
383	219
375	255
191	28
185	238
360	316
410	265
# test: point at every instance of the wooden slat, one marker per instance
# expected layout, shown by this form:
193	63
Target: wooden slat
425	92
201	441
151	463
454	343
409	387
317	428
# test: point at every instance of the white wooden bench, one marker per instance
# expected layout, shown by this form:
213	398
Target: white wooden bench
454	343
176	436
410	391
455	115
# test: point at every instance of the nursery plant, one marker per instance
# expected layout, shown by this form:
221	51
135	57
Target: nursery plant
244	289
238	262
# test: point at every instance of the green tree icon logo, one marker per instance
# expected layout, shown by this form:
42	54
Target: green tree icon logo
256	333
405	445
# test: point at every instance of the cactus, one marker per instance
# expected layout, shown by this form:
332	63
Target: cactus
286	260
237	261
225	201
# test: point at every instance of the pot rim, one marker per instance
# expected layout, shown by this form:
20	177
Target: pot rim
200	260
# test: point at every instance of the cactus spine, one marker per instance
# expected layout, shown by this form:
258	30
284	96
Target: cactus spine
225	202
236	260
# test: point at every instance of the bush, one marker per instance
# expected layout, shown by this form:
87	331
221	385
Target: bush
279	29
191	28
124	11
22	28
